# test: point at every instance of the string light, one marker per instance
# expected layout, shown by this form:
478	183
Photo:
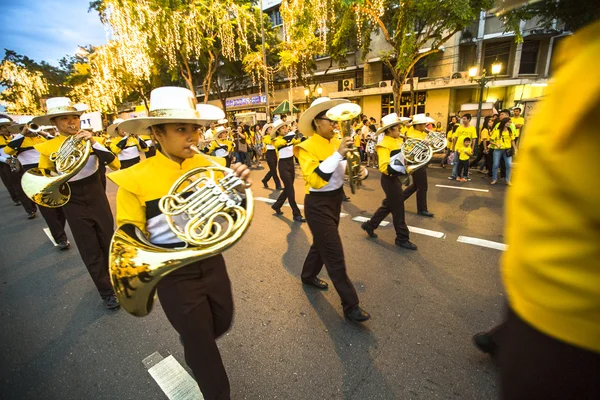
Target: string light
26	90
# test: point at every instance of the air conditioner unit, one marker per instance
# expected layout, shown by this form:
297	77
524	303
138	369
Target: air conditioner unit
383	84
347	84
415	81
460	75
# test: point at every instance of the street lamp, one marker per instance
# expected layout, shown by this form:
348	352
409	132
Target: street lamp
319	91
482	81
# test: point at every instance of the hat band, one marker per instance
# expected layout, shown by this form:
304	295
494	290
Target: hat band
174	113
58	110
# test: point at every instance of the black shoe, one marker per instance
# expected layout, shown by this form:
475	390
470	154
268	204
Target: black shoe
111	302
64	245
17	203
265	184
346	199
406	245
277	210
484	342
357	314
31	215
316	282
299	218
278	188
425	213
371	232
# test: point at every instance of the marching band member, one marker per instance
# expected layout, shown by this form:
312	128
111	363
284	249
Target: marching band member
127	149
88	211
323	166
271	156
9	178
391	165
197	299
220	146
147	138
284	142
419	184
23	147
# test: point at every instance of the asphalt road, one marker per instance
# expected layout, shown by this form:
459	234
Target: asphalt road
287	341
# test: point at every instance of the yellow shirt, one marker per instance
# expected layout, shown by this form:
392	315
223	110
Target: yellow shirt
501	140
517	121
357	140
485	134
462	133
116	146
385	149
310	154
415	134
464	153
53	145
552	267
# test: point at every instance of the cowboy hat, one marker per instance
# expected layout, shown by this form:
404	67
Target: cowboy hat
6	121
56	107
390	121
112	128
210	112
318	106
264	129
168	105
218	130
418	119
276	126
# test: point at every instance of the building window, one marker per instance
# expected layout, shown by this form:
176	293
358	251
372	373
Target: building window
529	57
497	51
387	104
276	18
403	110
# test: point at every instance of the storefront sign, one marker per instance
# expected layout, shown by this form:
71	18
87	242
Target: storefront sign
246	101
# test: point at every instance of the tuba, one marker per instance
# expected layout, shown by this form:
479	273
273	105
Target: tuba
344	114
208	215
436	140
51	189
417	153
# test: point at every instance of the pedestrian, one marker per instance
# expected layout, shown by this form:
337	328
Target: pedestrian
88	211
197	299
483	152
220	146
323	167
518	121
419	184
452	126
271	156
465	130
391	165
371	160
126	146
504	148
284	142
241	145
464	151
10	178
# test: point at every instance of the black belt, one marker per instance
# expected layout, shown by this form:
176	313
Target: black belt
330	193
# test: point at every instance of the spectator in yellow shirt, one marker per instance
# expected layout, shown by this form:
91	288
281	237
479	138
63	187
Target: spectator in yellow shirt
518	121
465	151
465	130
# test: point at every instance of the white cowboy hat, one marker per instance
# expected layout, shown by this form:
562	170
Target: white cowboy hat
210	112
319	105
168	105
276	126
218	130
264	129
56	107
222	121
389	121
5	121
112	128
418	119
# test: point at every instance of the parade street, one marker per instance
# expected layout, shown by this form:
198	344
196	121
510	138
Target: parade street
287	341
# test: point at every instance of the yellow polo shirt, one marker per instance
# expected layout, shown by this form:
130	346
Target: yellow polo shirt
517	121
552	267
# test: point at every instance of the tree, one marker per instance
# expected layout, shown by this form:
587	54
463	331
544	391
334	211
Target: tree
25	84
413	29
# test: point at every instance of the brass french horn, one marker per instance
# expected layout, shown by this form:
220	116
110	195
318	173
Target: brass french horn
50	189
436	140
344	114
204	210
417	153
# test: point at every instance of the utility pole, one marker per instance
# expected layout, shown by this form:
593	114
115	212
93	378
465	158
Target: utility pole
262	32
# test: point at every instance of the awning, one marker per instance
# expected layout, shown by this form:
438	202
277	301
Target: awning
284	108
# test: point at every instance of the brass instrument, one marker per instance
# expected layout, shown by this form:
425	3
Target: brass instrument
51	189
417	153
35	128
344	114
436	140
207	214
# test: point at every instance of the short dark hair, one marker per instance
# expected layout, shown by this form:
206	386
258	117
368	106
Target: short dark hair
319	115
517	108
506	111
467	139
467	116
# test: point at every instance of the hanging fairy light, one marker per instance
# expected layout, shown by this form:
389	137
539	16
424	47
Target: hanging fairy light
25	91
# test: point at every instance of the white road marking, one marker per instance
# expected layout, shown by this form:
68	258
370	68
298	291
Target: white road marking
483	243
363	219
421	231
172	378
300	206
463	188
47	232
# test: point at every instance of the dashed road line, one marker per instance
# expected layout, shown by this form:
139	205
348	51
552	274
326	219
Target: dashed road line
482	243
47	232
427	232
363	219
172	378
463	188
300	206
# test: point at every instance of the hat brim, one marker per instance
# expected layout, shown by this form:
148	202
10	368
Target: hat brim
388	126
136	125
264	129
273	133
305	121
45	119
16	128
112	129
216	134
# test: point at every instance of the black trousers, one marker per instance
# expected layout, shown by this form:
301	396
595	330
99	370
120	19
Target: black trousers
129	163
91	222
322	211
8	182
480	155
14	181
286	170
54	217
536	366
272	163
393	203
419	185
197	301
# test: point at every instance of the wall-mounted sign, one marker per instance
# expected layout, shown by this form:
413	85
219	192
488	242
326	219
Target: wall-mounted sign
246	101
91	120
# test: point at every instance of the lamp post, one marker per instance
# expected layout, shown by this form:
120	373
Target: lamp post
310	94
482	81
264	54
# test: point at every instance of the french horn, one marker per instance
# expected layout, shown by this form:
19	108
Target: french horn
344	114
204	210
417	153
50	189
436	140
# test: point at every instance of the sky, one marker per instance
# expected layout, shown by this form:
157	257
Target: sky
47	30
